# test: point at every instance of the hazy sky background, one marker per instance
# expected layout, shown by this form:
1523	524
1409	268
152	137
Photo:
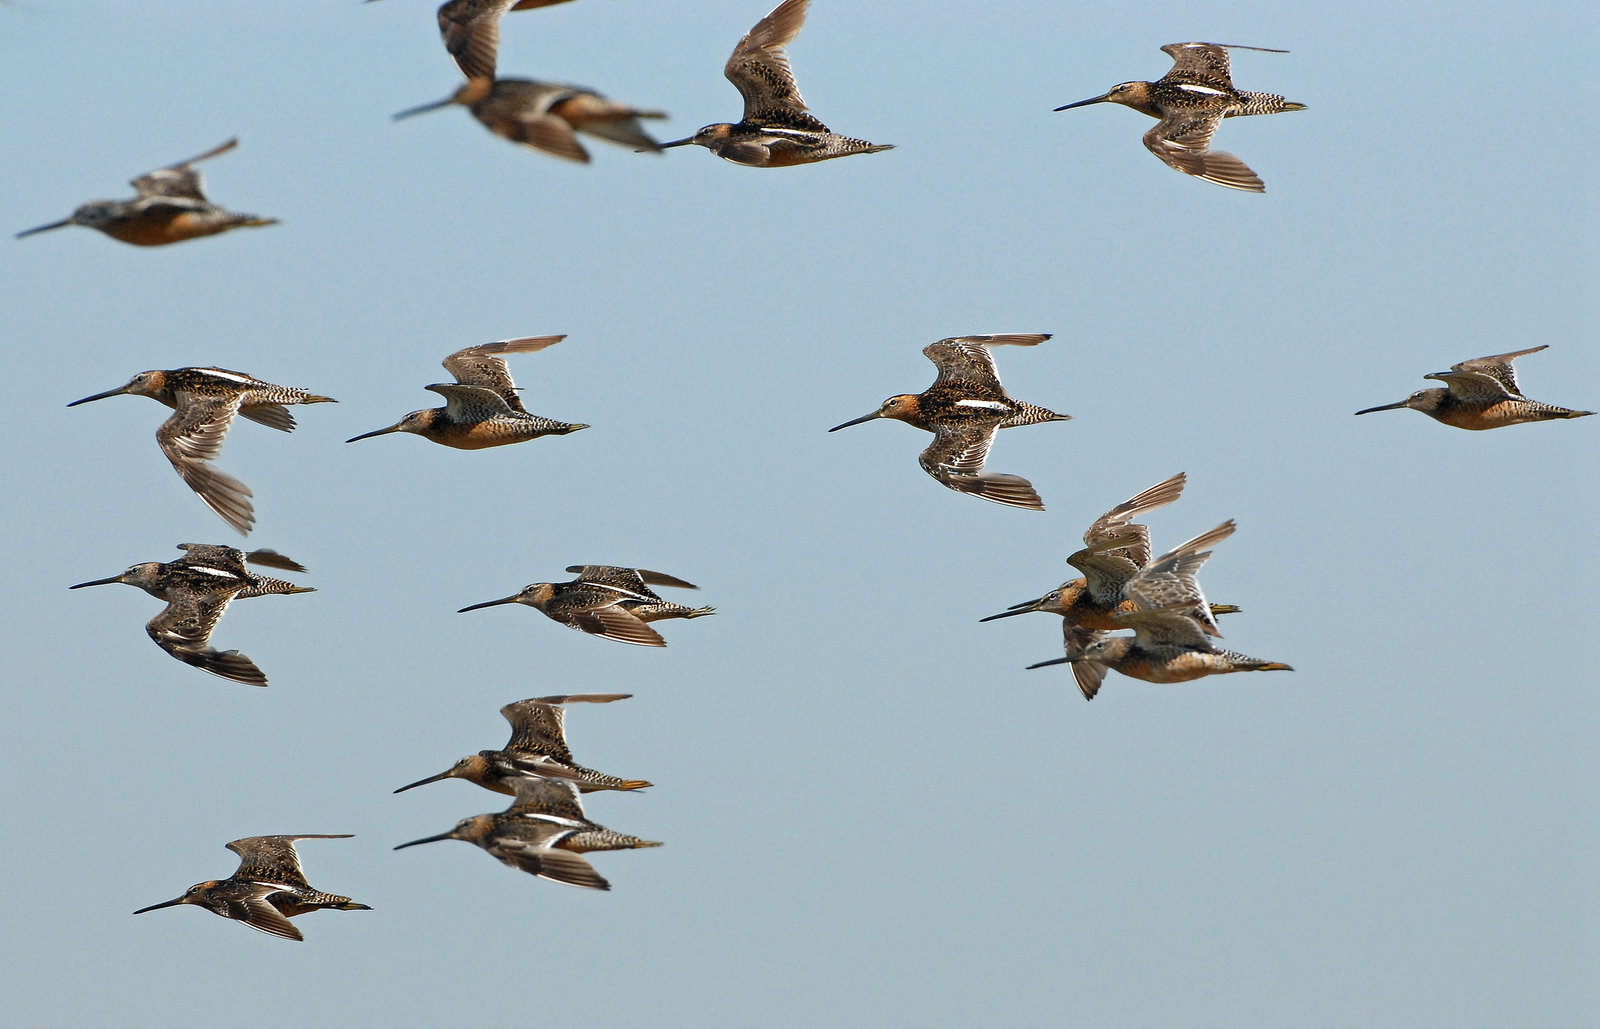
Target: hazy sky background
872	814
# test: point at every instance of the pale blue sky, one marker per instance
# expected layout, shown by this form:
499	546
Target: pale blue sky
872	814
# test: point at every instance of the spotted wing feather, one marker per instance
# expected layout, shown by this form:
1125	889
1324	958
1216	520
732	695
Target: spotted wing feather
961	449
967	358
536	729
184	629
540	796
252	907
273	416
224	494
956	457
179	181
272	859
628	578
1106	571
482	366
547	863
1184	153
471	33
1119	520
1498	367
1169	582
615	623
759	69
470	403
213	555
195	430
1203	64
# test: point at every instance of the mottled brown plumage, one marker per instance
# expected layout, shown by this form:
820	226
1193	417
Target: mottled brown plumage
964	408
203	402
1191	100
268	888
198	588
482	408
543	833
538	746
1481	394
605	601
777	130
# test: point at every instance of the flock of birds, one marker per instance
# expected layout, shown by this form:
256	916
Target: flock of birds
545	831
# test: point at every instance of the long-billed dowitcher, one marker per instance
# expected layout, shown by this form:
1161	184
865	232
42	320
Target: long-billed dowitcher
1481	394
1191	100
538	746
482	408
267	890
546	115
204	401
776	130
1169	643
170	207
544	832
964	408
606	601
197	588
1115	549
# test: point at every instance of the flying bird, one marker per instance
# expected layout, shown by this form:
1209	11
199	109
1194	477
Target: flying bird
1481	394
606	601
964	408
170	207
267	890
776	130
1191	100
198	588
204	401
538	746
544	833
482	408
546	115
